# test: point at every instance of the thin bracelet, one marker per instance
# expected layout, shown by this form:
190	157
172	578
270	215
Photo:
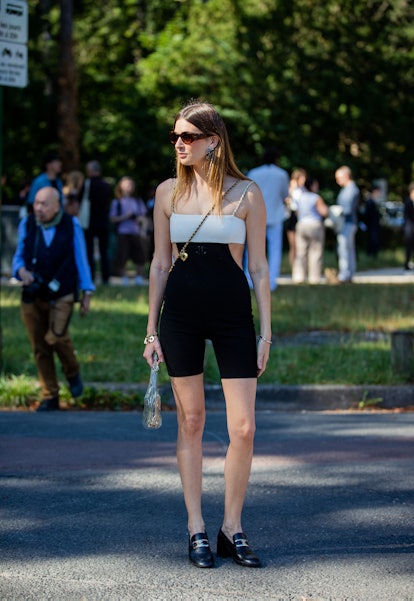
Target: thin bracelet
265	339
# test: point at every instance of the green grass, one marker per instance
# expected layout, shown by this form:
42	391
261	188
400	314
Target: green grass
109	341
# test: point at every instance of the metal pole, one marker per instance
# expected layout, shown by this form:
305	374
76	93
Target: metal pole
1	212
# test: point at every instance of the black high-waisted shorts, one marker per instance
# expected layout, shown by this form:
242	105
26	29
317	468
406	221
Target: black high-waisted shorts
207	297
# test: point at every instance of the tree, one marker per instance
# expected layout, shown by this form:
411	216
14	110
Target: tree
329	82
68	129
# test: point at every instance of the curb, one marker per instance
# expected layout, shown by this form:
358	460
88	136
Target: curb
322	398
295	398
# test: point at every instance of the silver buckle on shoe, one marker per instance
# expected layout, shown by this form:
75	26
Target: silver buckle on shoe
202	542
241	542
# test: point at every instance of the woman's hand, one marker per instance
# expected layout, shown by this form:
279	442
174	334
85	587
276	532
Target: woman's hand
151	348
263	351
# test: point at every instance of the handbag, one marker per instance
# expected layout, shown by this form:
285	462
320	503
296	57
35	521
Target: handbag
335	219
84	215
151	416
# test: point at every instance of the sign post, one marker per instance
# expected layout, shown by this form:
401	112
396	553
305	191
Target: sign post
13	71
13	53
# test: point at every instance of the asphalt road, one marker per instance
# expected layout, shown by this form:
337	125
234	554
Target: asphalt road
91	509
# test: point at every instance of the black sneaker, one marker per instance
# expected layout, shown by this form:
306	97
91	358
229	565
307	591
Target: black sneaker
75	386
49	405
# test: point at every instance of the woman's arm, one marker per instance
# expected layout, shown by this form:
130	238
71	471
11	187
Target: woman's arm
160	266
321	207
258	269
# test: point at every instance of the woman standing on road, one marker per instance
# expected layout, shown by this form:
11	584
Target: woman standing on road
203	219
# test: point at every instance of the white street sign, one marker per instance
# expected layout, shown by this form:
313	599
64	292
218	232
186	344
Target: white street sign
13	40
13	21
13	65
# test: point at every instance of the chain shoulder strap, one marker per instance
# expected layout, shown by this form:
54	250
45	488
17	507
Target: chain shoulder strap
183	255
173	185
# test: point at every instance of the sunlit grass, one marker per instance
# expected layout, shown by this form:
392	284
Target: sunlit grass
353	363
109	341
343	308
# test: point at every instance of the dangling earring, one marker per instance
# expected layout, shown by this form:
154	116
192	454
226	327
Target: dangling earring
210	154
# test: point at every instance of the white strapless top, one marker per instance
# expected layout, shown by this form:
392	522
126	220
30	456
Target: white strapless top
222	229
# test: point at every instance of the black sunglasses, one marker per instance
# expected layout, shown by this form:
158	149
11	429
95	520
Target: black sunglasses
186	137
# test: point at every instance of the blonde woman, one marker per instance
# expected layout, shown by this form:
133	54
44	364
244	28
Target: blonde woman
71	190
202	219
296	186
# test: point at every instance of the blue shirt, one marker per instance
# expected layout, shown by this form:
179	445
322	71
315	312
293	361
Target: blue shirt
273	182
306	207
42	181
348	199
81	258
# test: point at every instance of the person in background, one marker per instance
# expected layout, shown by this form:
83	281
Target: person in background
4	194
372	220
20	199
50	177
348	199
273	182
23	192
126	212
310	235
409	227
50	260
203	219
296	186
100	196
71	191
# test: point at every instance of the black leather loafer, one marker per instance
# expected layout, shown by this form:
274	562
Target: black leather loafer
49	405
239	550
199	551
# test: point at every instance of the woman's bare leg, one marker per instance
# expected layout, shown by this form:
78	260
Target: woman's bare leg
240	395
191	414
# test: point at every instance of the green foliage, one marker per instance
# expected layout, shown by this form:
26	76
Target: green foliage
112	400
367	403
328	82
18	391
23	392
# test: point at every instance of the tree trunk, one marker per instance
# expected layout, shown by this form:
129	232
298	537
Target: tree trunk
68	129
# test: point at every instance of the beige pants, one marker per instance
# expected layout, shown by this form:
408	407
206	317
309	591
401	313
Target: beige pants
310	239
47	326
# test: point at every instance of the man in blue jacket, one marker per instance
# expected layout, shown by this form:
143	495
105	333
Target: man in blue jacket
52	264
50	177
348	199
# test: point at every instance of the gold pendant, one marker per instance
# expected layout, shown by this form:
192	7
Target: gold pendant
183	255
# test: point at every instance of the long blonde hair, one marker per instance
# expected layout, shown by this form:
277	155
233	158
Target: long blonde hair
204	116
74	181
